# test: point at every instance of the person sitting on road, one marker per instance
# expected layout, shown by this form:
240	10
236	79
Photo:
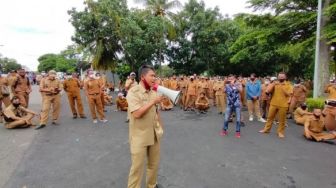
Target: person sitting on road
17	116
108	99
166	104
301	114
314	128
202	103
121	102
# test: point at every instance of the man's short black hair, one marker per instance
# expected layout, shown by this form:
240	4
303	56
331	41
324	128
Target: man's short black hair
144	69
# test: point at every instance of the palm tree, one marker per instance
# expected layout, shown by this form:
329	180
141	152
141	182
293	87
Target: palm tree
162	9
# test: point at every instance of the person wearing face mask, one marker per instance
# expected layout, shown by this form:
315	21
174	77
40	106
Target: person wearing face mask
103	82
218	87
93	89
73	86
265	99
145	129
253	91
314	128
21	87
191	94
233	92
50	88
281	95
130	82
182	85
301	114
17	116
299	97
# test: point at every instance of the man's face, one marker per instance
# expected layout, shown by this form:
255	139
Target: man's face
132	77
22	72
74	75
52	76
150	78
231	79
282	77
16	102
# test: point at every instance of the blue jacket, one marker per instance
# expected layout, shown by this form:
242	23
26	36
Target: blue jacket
253	89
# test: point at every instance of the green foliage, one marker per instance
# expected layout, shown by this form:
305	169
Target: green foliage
199	39
56	62
8	64
313	103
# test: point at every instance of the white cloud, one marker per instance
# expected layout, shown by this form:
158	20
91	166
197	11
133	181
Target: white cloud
31	28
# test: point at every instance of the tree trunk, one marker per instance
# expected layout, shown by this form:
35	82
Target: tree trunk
324	57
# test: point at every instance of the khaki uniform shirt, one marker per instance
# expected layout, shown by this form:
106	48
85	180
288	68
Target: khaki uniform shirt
299	112
279	98
299	92
219	88
331	89
173	85
129	84
21	84
11	111
142	130
72	85
47	83
315	125
93	87
191	88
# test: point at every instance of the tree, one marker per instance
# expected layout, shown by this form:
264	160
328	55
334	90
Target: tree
56	62
8	64
97	28
161	10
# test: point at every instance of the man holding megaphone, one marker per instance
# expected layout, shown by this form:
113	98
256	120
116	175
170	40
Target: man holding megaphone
145	129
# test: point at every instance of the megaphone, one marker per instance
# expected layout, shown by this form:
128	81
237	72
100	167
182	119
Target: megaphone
171	94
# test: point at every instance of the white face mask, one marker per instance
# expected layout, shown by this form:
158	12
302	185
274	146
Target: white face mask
91	76
267	82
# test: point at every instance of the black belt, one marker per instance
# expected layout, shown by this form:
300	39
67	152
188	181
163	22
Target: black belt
49	94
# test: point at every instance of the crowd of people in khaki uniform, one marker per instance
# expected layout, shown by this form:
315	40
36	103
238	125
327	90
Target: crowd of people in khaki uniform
272	100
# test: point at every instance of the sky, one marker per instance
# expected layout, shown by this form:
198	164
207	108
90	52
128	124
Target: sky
31	28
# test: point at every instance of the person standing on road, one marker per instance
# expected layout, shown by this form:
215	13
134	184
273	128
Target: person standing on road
253	91
4	95
50	88
73	86
281	96
130	82
220	95
93	89
21	87
233	104
145	130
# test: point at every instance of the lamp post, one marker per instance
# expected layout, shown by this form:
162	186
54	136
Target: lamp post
317	67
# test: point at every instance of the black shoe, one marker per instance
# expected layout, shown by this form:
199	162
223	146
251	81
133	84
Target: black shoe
40	127
242	124
74	116
83	117
158	186
55	123
127	121
220	113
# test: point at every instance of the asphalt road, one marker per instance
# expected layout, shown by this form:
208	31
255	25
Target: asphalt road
79	154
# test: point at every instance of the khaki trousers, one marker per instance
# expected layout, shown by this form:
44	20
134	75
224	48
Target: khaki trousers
253	106
49	101
273	111
220	102
75	98
139	156
190	102
20	123
24	98
95	104
294	104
